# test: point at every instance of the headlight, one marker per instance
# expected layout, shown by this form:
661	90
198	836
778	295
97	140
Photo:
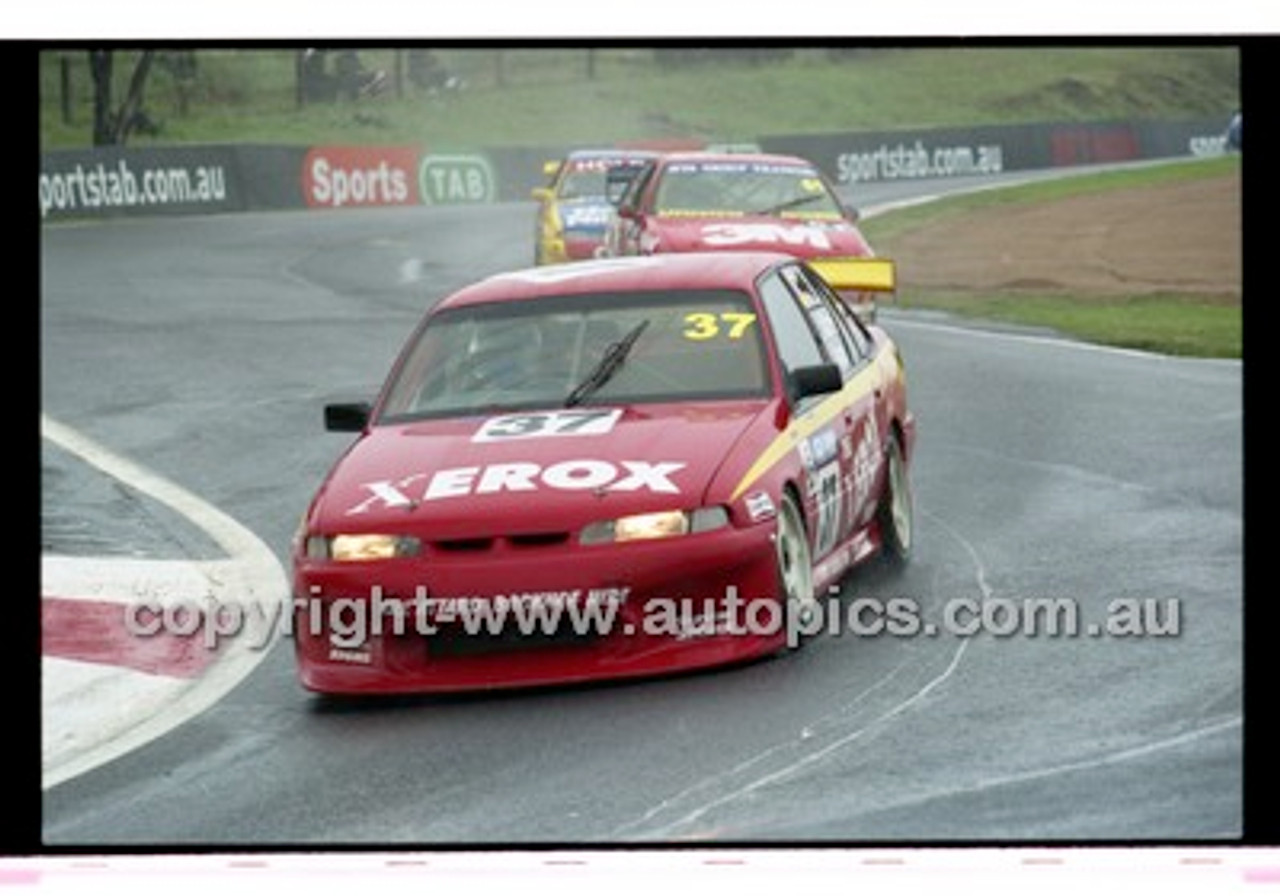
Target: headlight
650	525
662	524
361	547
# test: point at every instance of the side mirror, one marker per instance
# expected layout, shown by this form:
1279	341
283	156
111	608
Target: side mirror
542	194
818	379
628	212
351	417
851	213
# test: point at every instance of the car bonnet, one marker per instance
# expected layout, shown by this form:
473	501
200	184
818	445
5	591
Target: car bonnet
532	471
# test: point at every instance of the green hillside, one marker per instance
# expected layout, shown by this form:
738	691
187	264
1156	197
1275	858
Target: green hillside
534	95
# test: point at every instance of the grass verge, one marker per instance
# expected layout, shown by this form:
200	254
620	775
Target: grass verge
1168	323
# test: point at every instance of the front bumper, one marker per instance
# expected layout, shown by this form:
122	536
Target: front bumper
668	601
582	248
559	249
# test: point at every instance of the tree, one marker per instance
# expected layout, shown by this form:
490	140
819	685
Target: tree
111	127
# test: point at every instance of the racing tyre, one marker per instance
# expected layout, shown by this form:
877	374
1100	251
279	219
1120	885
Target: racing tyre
896	514
795	570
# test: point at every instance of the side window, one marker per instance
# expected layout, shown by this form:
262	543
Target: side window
635	189
855	336
823	318
797	345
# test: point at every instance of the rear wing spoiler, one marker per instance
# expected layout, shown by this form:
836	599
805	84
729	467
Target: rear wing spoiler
866	274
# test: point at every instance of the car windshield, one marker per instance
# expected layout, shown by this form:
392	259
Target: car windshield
585	178
676	346
581	183
742	188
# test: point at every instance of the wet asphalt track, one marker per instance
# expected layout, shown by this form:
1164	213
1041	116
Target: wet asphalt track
204	348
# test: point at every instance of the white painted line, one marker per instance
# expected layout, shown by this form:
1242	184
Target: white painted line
679	826
1141	751
710	784
1054	341
232	537
131	580
250	575
1027	178
894	205
88	709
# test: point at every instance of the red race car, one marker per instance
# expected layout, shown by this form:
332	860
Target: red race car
698	201
613	468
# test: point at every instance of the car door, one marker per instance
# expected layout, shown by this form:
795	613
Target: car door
805	334
866	415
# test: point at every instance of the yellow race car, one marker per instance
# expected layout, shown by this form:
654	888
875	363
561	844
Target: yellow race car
574	211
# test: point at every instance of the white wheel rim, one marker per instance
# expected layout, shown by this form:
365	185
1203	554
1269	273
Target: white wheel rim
794	566
901	498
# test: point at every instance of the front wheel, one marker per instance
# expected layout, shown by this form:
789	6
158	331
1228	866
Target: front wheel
896	513
795	567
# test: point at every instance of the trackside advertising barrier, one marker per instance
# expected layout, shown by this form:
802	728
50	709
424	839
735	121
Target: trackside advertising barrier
239	178
852	158
193	180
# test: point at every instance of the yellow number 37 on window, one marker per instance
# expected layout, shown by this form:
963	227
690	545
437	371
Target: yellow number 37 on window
729	324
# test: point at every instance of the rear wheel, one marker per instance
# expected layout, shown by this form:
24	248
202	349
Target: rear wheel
896	513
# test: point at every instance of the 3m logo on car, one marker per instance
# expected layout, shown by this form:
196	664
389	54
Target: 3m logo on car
745	234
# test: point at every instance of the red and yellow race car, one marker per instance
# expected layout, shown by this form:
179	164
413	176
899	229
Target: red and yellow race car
702	201
614	468
573	210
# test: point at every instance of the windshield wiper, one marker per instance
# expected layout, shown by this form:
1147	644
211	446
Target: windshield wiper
791	203
613	358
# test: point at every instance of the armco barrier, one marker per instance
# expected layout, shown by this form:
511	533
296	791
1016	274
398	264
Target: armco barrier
140	181
850	158
237	178
180	180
